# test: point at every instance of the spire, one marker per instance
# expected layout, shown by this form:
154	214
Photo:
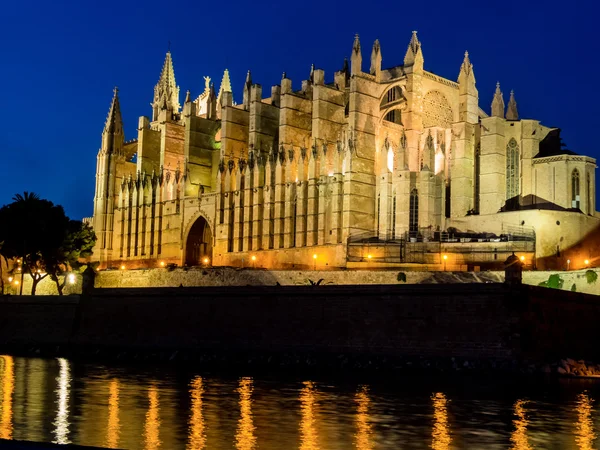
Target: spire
356	58
414	54
311	77
247	86
511	110
466	68
248	80
112	135
498	103
225	86
187	97
468	95
376	58
114	121
356	45
166	90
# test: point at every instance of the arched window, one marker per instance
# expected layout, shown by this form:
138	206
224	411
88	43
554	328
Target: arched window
512	169
575	203
394	116
588	194
413	219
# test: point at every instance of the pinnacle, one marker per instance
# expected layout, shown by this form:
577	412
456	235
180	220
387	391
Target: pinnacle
114	122
356	46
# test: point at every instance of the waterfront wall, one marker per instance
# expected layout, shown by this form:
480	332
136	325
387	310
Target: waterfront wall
467	321
224	276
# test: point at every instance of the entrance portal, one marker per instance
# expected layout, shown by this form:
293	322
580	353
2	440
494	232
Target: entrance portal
199	243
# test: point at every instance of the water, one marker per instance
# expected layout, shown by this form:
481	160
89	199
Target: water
56	400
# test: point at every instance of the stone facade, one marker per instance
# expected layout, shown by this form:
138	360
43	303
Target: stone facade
393	154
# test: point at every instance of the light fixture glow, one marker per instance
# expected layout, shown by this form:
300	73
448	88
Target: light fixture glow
123	267
586	262
445	257
522	258
253	258
162	264
315	256
71	278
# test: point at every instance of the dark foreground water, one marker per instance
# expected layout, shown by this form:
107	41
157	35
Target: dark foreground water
55	400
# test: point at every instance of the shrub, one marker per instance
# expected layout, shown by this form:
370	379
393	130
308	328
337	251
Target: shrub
591	276
402	277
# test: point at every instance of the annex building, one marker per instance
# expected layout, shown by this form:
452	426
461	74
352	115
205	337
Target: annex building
370	166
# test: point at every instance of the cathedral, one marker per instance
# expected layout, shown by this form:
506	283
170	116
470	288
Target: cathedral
371	167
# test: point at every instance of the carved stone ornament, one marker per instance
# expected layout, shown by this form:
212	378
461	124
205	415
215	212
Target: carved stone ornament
291	154
221	166
230	165
303	152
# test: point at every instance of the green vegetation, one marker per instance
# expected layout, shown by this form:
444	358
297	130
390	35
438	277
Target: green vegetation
554	282
591	276
574	288
321	282
402	277
40	234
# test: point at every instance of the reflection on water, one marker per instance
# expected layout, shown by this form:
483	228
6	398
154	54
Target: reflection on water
197	438
441	430
8	384
61	423
244	438
152	425
308	431
363	426
114	427
519	436
57	400
584	435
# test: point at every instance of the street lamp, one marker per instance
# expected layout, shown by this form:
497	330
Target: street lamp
123	267
315	261
205	261
162	264
587	262
253	261
568	263
522	259
445	257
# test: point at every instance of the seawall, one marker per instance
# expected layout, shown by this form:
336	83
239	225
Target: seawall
489	322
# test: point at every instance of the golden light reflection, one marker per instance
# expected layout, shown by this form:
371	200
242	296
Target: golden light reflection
114	426
518	437
197	438
584	433
152	425
7	376
61	423
244	437
441	430
363	427
308	432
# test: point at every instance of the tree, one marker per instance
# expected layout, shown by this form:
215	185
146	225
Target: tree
78	244
33	229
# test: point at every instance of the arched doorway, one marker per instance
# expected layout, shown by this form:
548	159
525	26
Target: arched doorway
199	243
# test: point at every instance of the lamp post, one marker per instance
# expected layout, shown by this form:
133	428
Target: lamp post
253	261
205	261
587	263
369	256
568	264
445	258
315	261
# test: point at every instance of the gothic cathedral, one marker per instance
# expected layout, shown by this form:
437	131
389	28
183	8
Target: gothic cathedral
398	163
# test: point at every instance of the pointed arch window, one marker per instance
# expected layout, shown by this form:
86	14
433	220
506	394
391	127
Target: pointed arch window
588	193
512	169
413	219
575	198
393	116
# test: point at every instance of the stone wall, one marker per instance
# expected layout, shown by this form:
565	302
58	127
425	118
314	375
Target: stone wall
225	276
467	321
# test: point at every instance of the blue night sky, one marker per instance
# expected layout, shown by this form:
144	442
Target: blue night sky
61	60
